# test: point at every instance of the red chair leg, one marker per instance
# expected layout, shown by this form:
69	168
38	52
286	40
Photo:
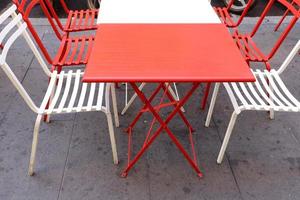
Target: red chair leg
117	85
281	20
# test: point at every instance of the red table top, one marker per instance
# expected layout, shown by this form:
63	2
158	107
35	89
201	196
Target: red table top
165	53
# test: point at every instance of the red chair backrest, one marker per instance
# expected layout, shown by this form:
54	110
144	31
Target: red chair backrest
25	7
294	9
245	11
64	5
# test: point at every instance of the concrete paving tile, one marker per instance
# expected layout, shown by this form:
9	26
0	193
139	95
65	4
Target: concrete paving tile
90	172
263	154
16	136
170	175
7	90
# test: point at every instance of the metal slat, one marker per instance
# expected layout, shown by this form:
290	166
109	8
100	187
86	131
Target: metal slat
90	45
100	96
267	87
92	18
81	52
80	20
275	88
66	52
91	97
86	21
49	91
82	97
263	94
66	92
255	94
249	97
239	95
57	92
69	20
13	23
74	17
75	91
287	93
71	58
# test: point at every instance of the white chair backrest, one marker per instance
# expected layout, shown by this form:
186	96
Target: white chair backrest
8	35
289	58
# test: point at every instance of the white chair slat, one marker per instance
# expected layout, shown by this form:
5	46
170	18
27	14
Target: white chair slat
255	94
286	91
231	96
239	95
267	87
13	23
66	91
249	97
100	96
277	91
49	91
75	91
82	97
7	13
91	96
57	92
263	94
10	41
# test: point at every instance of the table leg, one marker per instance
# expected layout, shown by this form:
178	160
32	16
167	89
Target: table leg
163	126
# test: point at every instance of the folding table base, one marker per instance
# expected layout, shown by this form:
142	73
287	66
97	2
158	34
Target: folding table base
177	104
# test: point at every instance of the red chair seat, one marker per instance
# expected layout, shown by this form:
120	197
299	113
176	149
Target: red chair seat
74	51
248	48
79	20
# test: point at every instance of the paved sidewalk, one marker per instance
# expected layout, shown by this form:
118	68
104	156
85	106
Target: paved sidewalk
74	158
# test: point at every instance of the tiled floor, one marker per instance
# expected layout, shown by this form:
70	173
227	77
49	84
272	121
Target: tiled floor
74	158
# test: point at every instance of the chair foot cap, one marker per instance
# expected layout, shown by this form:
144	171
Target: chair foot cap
124	174
200	175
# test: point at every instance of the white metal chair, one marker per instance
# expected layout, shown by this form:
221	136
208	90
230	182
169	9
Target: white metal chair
268	93
63	86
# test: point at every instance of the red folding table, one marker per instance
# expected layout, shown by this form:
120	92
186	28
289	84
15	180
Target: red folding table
190	51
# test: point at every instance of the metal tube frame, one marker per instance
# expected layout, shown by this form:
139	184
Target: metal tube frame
163	125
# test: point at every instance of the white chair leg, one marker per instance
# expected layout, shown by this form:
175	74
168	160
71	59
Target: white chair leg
227	137
176	91
272	114
51	97
132	99
115	106
174	94
126	93
112	138
34	144
212	104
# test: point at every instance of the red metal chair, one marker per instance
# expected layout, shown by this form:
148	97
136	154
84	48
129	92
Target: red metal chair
225	16
73	51
282	19
247	45
77	20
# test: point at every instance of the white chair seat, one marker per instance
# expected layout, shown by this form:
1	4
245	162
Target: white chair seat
267	93
71	95
65	93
